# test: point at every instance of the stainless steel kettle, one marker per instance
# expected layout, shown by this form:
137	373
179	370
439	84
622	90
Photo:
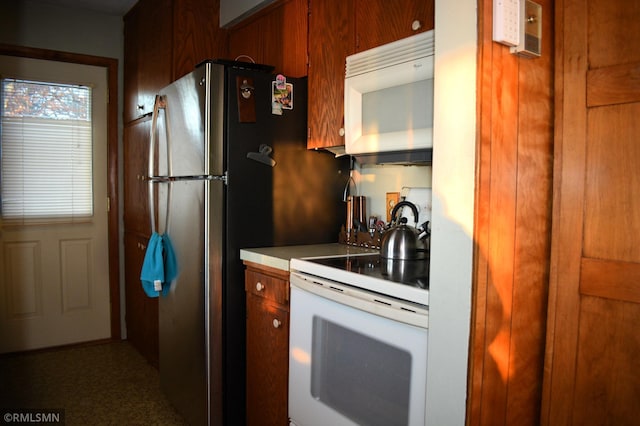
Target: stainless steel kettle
403	242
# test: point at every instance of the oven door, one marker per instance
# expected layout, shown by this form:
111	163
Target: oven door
349	362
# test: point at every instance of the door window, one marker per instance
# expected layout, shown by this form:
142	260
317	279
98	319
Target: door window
46	141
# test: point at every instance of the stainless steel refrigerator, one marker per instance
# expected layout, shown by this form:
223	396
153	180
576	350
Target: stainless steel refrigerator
229	169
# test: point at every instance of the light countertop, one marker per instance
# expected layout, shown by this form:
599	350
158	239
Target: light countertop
279	257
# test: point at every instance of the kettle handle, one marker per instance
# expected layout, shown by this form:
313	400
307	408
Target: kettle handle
414	209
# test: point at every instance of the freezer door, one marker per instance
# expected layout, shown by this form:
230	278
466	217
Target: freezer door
180	129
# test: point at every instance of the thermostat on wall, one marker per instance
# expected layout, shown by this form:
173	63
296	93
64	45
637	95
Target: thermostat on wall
518	24
530	33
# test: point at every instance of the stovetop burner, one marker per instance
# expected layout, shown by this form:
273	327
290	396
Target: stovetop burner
413	273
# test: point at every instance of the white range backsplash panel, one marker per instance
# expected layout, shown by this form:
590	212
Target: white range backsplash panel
421	198
374	181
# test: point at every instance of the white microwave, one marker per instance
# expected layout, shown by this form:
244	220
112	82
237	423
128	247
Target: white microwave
388	97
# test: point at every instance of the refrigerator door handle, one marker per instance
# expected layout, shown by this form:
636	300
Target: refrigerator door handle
165	179
159	103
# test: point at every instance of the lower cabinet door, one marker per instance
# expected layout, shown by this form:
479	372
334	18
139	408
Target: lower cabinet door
267	362
141	311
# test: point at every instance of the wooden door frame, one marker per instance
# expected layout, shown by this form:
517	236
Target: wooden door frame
111	66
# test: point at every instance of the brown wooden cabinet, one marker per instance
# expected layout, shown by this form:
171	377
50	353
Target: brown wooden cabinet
339	28
380	22
142	311
331	40
147	55
136	193
267	334
275	36
196	35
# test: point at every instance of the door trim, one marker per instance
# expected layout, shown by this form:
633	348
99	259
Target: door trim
111	65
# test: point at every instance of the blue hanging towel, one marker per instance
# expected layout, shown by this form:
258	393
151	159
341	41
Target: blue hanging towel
170	264
159	267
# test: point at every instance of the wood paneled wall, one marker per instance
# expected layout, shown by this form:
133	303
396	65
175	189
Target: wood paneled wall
512	229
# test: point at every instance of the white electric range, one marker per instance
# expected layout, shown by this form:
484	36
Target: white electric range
358	340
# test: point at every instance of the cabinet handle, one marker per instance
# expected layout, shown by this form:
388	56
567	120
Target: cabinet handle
276	323
259	286
416	25
140	107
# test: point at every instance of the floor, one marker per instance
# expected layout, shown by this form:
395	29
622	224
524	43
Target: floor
101	384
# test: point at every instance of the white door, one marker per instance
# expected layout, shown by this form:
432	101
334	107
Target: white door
54	276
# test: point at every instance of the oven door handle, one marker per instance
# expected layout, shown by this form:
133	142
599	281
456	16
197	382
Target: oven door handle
374	303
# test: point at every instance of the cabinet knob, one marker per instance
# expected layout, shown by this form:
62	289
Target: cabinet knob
341	131
276	323
259	286
416	25
140	107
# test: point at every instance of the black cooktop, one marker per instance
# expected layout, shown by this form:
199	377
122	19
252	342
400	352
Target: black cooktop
410	272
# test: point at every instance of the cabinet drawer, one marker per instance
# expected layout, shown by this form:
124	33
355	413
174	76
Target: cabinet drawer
267	286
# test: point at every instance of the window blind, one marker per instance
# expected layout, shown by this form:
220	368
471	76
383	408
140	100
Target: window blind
46	142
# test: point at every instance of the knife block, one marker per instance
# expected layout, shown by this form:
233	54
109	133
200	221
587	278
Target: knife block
360	239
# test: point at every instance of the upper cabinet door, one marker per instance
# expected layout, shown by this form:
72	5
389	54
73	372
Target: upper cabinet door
136	185
331	40
380	22
131	36
155	54
196	35
147	55
276	36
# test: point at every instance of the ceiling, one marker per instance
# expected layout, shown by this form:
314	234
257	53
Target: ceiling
109	7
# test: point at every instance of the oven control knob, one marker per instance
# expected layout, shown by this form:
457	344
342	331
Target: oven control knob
259	286
276	323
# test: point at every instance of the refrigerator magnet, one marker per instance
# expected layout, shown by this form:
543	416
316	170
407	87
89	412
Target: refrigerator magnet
281	82
281	95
